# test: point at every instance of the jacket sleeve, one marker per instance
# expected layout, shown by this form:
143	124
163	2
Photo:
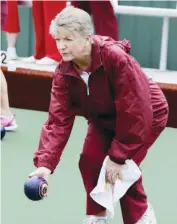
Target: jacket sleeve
133	108
56	130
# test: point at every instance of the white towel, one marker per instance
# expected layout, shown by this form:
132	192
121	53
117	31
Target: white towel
108	195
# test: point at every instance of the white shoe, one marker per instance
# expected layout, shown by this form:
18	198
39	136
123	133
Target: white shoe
95	220
29	60
46	61
11	53
148	217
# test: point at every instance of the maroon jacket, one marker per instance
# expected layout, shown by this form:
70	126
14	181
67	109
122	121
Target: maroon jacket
121	98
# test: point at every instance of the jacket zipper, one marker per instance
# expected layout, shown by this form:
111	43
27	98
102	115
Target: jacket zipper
86	82
87	86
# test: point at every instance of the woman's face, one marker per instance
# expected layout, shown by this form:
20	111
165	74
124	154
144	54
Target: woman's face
71	44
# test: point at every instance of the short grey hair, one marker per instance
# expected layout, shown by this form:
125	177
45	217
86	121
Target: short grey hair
73	19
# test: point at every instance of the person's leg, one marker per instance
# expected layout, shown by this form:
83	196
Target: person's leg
5	109
134	203
39	28
38	19
51	9
96	145
7	117
12	28
104	18
94	152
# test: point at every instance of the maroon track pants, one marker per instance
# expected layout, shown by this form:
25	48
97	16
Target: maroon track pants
97	142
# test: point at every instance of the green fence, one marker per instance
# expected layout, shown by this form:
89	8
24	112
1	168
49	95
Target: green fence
143	32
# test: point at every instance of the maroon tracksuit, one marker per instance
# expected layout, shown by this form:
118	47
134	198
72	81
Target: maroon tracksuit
126	113
103	15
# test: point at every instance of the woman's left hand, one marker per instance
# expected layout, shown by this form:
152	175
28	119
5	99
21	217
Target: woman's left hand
113	171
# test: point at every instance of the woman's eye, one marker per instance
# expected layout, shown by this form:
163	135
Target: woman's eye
66	39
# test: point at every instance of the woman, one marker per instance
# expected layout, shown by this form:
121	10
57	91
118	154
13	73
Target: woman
126	112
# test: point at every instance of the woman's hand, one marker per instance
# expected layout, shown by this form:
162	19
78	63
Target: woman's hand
113	171
41	172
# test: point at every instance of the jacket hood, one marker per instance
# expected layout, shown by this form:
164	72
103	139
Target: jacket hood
103	40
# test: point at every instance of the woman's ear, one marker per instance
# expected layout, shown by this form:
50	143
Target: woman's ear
89	40
90	36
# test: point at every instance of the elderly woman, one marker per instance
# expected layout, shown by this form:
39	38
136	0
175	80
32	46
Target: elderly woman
126	112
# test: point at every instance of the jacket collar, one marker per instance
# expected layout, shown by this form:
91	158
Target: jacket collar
95	56
67	68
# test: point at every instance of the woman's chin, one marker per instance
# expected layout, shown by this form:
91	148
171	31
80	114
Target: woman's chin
67	58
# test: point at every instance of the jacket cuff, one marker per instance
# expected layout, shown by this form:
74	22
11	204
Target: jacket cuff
116	160
47	165
116	153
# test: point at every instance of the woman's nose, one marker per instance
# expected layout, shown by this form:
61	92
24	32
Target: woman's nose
61	45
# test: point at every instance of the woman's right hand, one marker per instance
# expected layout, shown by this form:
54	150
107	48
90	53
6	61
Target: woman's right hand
41	172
